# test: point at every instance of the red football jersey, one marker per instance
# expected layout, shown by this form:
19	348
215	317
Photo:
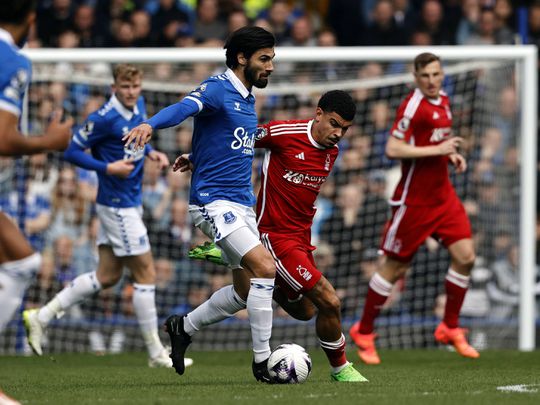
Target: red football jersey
423	122
294	168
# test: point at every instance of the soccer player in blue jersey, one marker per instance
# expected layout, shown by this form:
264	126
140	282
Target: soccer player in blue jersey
122	239
18	261
221	197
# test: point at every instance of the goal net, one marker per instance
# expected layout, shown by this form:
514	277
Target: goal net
54	201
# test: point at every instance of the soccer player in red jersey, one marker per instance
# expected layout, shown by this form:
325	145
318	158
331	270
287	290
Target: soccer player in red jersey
424	204
299	157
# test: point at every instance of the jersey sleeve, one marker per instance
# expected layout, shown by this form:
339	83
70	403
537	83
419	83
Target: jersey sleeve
13	86
208	96
402	128
91	132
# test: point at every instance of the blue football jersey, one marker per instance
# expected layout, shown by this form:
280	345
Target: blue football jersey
102	133
223	141
15	73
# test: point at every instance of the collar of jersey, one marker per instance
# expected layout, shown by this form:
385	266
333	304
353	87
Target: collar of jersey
311	139
237	84
436	101
123	111
6	37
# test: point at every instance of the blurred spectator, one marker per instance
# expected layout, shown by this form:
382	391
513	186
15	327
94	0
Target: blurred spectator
84	26
503	288
383	30
507	118
236	20
403	15
379	126
86	249
142	26
36	214
45	286
53	20
468	23
279	20
431	20
43	175
168	21
254	8
301	33
324	206
342	232
504	21
485	31
70	212
63	255
123	35
420	38
68	39
534	24
376	210
153	196
490	30
174	240
346	19
208	24
166	287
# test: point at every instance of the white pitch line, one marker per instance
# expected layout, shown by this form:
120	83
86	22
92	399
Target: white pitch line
521	388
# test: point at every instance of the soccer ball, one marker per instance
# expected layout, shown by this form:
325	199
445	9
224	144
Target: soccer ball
289	363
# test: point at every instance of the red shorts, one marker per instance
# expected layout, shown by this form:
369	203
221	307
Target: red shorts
296	270
410	226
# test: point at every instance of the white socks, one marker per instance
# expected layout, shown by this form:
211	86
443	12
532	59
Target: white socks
15	277
223	304
144	305
259	306
380	285
80	288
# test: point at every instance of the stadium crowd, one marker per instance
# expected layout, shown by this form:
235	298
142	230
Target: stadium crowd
59	214
180	23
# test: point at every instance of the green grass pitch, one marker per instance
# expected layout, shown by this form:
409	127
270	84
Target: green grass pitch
405	377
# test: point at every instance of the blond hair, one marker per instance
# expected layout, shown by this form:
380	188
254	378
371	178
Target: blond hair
125	71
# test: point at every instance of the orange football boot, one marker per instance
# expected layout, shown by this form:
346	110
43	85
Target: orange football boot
456	337
366	345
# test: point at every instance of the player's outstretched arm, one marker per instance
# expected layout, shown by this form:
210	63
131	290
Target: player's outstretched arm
55	138
400	149
76	154
168	117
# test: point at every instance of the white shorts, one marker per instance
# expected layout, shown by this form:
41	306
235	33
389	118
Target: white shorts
122	229
232	226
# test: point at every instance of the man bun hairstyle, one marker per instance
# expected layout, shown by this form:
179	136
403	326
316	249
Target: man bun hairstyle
340	102
424	59
246	40
15	11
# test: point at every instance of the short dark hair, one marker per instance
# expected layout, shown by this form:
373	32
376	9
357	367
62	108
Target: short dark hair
425	59
15	11
247	40
340	102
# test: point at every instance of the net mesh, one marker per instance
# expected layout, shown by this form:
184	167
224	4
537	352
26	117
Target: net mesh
54	201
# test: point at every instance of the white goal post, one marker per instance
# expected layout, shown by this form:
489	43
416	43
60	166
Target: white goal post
524	57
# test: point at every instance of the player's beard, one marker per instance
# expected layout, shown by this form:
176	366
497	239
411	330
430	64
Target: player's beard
251	76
